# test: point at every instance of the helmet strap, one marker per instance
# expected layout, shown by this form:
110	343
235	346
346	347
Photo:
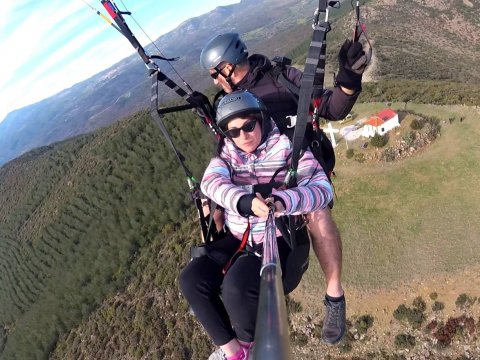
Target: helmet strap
228	78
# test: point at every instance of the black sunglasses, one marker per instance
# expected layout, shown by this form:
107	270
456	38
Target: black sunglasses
248	127
217	72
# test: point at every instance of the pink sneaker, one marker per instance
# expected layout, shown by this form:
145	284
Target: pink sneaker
241	354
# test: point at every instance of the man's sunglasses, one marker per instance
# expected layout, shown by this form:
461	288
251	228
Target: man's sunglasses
217	72
248	127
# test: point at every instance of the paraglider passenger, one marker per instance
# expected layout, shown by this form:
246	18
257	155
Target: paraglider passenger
222	287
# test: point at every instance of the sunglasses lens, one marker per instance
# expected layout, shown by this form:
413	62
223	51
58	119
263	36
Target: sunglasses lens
233	133
248	127
217	72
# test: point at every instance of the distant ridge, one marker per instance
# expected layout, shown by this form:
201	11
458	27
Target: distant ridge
407	40
123	89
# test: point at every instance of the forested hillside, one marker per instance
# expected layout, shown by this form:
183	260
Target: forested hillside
94	230
74	217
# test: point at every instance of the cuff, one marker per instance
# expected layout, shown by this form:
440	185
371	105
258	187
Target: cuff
244	205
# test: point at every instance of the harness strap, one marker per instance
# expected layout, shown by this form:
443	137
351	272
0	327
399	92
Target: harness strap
213	207
313	77
240	248
361	31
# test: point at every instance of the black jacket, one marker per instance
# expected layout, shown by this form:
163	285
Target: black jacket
280	102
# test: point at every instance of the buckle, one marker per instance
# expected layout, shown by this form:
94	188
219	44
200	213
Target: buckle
293	121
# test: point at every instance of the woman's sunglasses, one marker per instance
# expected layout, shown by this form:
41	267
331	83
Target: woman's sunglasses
248	127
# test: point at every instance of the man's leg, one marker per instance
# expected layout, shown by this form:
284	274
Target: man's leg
327	245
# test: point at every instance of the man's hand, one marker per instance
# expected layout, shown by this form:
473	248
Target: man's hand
198	99
352	62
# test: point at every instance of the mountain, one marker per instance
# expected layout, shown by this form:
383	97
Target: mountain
407	40
124	88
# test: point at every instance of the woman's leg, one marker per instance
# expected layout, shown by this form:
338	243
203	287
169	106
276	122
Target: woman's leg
241	288
200	282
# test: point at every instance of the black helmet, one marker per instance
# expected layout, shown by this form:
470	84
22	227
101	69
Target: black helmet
240	103
223	48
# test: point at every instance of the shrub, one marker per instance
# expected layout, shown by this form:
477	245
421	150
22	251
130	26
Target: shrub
350	153
359	157
438	306
364	323
434	127
415	316
464	301
454	327
433	296
400	313
379	140
409	137
432	325
417	124
404	341
419	304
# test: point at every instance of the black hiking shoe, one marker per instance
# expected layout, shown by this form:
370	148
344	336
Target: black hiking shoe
334	322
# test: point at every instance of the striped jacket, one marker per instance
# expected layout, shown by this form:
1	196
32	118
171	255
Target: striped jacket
230	175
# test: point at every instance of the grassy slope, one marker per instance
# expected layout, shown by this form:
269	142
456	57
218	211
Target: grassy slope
409	228
414	217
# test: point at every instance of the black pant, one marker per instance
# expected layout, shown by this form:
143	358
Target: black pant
225	305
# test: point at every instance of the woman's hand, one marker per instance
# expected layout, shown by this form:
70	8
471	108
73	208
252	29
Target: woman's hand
260	206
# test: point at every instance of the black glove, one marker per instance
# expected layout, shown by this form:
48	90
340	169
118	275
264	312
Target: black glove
244	205
203	108
198	99
352	61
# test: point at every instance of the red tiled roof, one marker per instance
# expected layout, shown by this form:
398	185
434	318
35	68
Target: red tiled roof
381	117
375	121
386	114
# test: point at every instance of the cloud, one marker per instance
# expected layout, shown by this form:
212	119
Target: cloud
32	87
58	47
48	46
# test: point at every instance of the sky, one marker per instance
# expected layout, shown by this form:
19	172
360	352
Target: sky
49	45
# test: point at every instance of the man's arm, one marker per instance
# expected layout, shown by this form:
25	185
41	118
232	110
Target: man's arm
352	61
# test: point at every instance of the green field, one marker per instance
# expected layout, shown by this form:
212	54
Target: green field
411	218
